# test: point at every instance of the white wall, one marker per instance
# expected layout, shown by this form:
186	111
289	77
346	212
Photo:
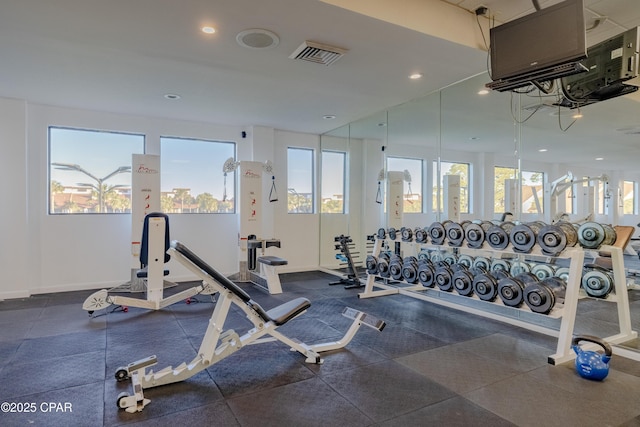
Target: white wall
15	254
53	253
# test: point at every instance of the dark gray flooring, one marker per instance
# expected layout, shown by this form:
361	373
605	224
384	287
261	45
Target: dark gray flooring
430	366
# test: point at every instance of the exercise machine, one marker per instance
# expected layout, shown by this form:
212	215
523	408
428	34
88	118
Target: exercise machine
153	256
218	343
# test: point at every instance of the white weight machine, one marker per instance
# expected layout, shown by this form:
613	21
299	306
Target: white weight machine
218	343
559	186
153	256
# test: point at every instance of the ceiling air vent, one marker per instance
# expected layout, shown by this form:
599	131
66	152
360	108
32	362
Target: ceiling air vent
318	53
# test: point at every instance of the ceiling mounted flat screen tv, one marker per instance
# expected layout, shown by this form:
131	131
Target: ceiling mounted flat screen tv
543	45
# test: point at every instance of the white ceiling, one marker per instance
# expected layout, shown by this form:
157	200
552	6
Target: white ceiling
124	56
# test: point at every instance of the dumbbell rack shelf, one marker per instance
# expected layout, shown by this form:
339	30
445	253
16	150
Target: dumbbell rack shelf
523	317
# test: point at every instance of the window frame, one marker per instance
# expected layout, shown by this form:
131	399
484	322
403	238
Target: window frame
407	186
344	209
312	173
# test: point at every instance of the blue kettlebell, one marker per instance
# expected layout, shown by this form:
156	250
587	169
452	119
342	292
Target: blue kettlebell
592	365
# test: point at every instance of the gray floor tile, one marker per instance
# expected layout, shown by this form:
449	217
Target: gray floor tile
305	403
456	368
52	374
531	402
67	407
513	353
387	390
396	340
453	412
217	413
44	348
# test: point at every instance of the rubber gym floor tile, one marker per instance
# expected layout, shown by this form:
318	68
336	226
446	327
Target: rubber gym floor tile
15	331
72	406
527	401
169	352
447	329
66	323
192	393
215	414
137	332
540	339
352	356
310	330
76	298
45	348
397	340
257	368
15	316
8	349
619	391
454	412
53	374
34	301
513	353
305	403
456	368
387	389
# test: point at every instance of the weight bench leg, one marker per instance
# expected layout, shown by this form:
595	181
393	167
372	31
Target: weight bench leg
273	280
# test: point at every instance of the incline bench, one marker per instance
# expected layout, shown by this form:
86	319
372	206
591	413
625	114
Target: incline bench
217	343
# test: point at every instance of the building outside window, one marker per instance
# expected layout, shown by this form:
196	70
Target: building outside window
412	168
300	181
333	182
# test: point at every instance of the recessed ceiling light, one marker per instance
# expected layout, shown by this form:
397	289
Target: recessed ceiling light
415	76
577	116
474	138
543	150
483	92
172	96
257	38
382	124
329	117
208	30
599	158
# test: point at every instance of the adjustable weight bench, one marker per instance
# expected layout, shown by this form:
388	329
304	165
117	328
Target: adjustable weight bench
218	343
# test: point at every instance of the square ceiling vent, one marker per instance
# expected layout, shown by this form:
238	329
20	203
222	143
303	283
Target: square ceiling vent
318	53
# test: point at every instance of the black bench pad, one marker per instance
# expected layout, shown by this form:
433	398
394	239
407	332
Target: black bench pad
287	311
272	260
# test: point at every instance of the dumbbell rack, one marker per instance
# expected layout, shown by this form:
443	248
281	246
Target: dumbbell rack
344	244
566	312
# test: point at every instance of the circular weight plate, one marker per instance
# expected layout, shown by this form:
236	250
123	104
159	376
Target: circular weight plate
450	258
442	278
395	268
382	234
465	260
455	234
421	235
597	283
527	278
523	238
424	255
463	282
570	232
510	291
542	271
426	275
562	273
500	264
383	267
485	286
475	235
407	234
497	237
539	298
372	264
481	261
591	235
519	267
410	273
610	234
392	233
437	233
552	239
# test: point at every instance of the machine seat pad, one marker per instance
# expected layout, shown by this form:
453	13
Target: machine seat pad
272	260
287	311
144	272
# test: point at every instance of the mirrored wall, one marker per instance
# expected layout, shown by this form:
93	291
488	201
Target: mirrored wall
572	164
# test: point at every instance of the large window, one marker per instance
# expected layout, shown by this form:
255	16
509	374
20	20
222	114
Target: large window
629	198
194	177
412	169
333	182
90	171
300	174
531	194
449	168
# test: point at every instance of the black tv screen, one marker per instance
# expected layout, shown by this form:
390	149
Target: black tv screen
546	38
